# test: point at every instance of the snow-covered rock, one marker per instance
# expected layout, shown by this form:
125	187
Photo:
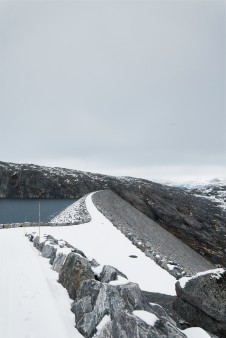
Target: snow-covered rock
202	300
109	273
118	311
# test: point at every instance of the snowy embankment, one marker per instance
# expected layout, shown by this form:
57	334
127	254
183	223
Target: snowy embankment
100	240
76	213
33	304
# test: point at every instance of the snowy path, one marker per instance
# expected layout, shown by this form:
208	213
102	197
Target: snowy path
32	303
99	239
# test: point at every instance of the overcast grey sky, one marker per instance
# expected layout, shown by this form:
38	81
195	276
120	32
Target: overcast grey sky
113	86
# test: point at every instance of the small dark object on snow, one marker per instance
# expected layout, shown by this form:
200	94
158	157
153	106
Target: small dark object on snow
133	256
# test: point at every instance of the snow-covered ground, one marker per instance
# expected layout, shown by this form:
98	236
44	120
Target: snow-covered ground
99	239
34	305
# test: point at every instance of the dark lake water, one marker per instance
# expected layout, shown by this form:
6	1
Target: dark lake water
16	211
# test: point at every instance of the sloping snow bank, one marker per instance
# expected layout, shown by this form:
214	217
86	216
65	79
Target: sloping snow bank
100	240
33	304
76	213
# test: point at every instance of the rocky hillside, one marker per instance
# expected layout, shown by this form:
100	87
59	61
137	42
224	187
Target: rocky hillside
198	222
214	190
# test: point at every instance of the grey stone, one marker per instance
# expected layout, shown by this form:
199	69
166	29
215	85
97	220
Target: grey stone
30	237
79	252
94	263
75	270
109	273
37	244
94	300
202	301
127	325
49	250
132	296
59	261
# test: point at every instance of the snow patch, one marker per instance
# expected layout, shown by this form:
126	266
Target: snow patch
215	273
147	317
196	332
120	281
103	322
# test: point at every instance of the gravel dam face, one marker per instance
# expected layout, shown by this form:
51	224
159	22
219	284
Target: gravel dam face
148	234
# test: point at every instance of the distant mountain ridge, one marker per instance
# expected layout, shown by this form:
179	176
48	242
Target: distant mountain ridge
213	189
198	222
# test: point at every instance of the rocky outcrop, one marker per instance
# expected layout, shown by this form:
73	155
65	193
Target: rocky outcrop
214	190
49	249
198	222
202	300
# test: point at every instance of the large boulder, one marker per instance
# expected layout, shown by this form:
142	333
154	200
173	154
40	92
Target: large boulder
202	300
49	250
75	270
109	273
36	242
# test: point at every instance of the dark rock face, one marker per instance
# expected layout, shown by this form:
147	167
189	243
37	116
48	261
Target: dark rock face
198	222
202	301
95	300
109	273
75	270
